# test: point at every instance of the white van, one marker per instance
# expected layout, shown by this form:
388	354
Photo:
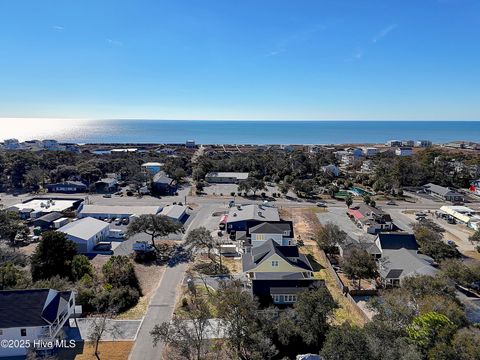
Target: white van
117	234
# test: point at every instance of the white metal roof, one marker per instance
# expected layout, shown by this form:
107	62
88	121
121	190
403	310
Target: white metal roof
84	228
119	210
174	211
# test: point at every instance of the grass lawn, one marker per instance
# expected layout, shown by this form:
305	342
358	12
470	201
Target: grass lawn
108	350
186	296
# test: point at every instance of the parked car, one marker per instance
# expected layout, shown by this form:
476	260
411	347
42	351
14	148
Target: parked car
118	221
321	204
107	195
451	243
391	203
103	246
125	221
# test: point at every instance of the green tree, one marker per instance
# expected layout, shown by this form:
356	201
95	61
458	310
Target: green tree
475	237
313	310
346	342
430	328
12	277
202	239
243	324
80	267
153	225
119	271
348	200
12	227
329	236
53	256
358	265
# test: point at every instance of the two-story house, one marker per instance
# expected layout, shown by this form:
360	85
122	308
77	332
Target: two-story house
279	231
33	315
277	273
400	258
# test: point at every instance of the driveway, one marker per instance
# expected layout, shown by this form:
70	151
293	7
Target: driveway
162	304
338	216
124	329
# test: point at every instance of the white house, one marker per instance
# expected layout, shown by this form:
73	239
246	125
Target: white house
331	169
86	233
369	151
404	151
33	315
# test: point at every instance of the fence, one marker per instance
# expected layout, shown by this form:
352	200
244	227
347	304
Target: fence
342	286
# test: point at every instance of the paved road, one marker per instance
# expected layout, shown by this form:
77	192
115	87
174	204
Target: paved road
163	301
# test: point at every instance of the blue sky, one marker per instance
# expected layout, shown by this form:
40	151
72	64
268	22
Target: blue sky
249	59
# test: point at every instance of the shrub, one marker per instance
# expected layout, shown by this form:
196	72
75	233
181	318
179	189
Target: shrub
123	298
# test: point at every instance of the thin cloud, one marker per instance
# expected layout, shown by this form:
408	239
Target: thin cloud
357	55
58	28
302	35
384	32
114	42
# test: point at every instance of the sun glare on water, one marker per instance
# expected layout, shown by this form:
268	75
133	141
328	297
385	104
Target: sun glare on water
37	128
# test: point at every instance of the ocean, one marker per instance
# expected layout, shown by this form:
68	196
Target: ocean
242	132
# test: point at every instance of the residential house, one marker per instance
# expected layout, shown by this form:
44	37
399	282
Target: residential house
106	185
404	151
394	143
423	143
369	151
33	315
243	217
163	184
370	219
351	244
166	151
279	231
86	233
51	145
401	259
226	177
367	166
11	144
190	144
332	170
277	273
68	187
408	143
443	193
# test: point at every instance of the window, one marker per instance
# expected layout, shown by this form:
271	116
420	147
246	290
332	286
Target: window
276	298
260	237
23	332
274	263
1	332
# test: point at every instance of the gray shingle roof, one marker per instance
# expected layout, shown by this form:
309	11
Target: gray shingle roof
441	190
404	263
25	308
261	253
252	212
271	228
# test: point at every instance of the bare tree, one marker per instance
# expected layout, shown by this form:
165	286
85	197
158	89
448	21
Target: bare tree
101	326
188	336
